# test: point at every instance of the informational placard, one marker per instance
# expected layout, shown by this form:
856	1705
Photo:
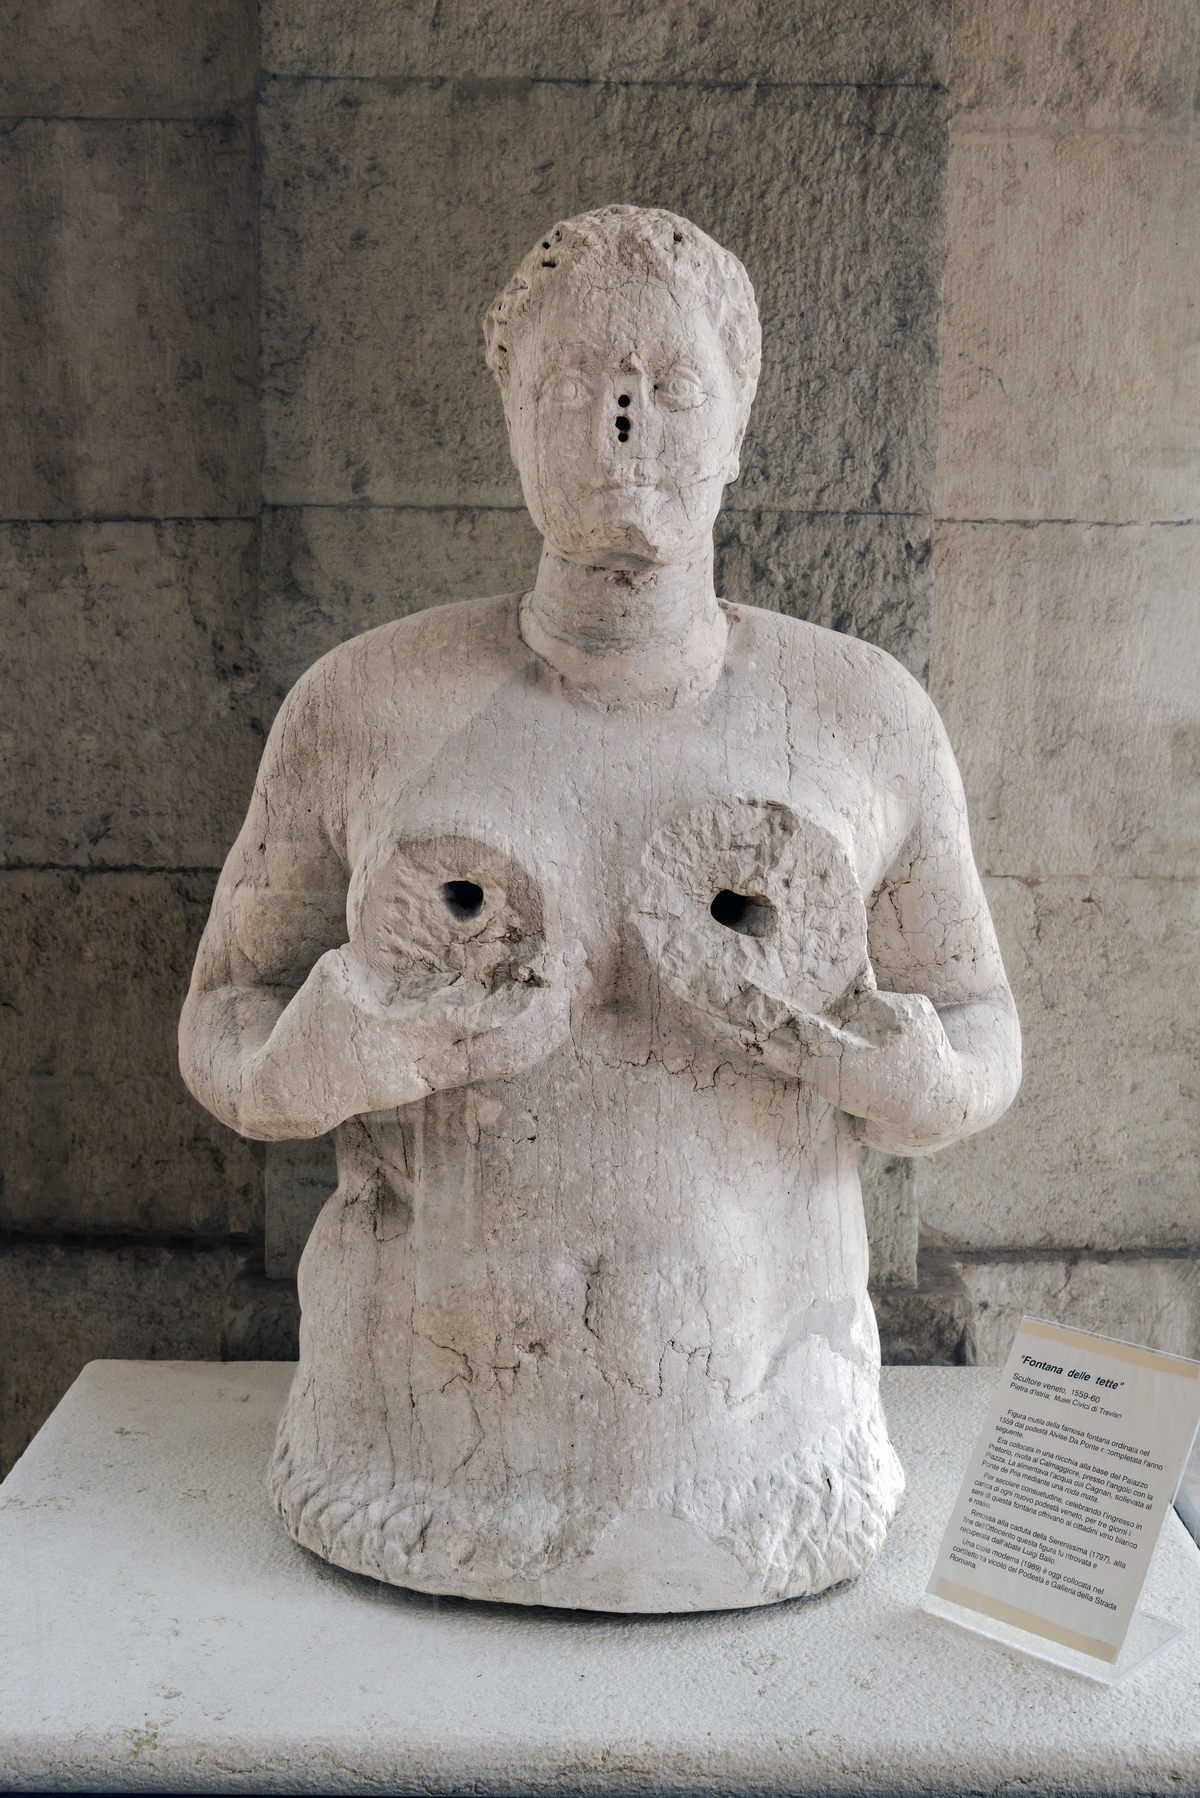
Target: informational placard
1068	1487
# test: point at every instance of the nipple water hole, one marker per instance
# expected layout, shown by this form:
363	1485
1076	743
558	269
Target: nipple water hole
744	913
463	899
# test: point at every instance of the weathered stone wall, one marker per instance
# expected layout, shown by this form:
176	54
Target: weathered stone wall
251	418
131	721
1066	650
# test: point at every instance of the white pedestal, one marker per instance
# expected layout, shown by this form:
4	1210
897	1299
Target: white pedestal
159	1632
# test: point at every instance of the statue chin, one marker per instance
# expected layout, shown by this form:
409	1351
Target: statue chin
637	528
620	533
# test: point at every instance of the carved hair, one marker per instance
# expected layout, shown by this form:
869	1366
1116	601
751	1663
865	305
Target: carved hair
644	240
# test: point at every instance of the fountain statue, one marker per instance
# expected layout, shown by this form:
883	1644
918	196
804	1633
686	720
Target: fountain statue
602	923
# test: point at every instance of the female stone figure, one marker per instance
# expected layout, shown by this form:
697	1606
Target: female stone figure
602	922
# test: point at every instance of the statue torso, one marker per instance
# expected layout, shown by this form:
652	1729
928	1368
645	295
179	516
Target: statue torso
637	1253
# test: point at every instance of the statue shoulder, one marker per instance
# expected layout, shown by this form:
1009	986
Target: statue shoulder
858	673
405	652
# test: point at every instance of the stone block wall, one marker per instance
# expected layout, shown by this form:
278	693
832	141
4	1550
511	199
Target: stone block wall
131	722
1065	651
246	264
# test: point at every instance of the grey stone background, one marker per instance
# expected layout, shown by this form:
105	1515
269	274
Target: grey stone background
247	415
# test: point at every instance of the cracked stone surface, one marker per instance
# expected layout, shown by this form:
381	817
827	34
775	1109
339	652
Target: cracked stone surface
602	923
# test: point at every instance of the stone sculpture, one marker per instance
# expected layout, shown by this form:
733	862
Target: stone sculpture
603	923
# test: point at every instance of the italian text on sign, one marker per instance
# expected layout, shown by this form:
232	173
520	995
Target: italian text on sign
1068	1487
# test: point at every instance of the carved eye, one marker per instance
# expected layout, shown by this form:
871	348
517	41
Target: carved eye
566	389
680	390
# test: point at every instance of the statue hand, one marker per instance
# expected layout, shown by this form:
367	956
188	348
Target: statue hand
871	1032
466	1032
348	1044
886	1057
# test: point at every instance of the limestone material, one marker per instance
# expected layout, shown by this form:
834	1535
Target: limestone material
867	575
657	907
61	1306
1072	267
298	1179
374	270
130	734
158	1633
890	1208
1101	65
331	572
864	42
927	1323
127	284
1099	1150
1151	1299
1068	675
138	59
616	40
99	1132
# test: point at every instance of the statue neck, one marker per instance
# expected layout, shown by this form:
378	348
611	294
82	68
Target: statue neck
653	636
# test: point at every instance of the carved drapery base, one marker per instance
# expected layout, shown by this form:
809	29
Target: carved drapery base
694	1542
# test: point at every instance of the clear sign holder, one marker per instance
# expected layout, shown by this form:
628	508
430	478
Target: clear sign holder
1145	1637
1063	1499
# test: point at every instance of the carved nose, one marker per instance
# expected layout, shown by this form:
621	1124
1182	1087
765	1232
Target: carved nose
624	422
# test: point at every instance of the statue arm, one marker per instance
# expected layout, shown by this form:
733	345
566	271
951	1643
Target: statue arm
287	1031
915	1077
934	1053
277	914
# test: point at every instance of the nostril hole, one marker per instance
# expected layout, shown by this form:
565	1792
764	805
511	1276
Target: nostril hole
463	898
743	913
622	399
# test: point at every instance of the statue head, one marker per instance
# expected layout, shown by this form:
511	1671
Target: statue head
627	350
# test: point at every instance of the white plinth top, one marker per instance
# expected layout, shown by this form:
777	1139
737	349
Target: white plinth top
158	1631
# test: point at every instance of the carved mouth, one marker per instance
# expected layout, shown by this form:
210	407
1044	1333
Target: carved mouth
625	481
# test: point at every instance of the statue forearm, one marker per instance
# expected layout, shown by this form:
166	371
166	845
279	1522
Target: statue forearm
342	1046
915	1079
234	1061
273	1070
221	1033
